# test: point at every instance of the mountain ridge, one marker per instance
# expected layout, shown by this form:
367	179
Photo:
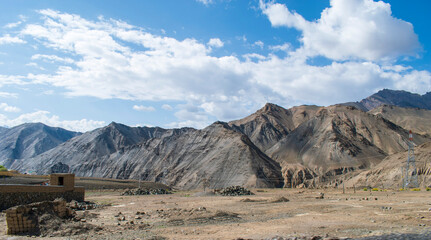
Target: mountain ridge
303	146
394	97
30	139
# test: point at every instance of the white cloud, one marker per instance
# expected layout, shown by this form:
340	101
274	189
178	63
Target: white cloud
166	69
13	25
215	42
259	44
5	107
51	58
350	29
7	39
11	80
206	2
167	107
284	47
8	95
45	117
143	108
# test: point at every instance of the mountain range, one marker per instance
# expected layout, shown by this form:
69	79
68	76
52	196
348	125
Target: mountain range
394	98
303	146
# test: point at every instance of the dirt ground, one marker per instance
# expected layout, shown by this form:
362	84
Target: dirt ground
185	215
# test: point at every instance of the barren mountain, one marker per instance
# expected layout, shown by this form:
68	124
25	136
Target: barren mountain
3	129
300	146
272	123
89	146
394	97
181	158
29	140
326	141
389	173
415	119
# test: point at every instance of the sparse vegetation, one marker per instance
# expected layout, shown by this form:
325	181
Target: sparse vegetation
365	189
415	189
375	189
3	169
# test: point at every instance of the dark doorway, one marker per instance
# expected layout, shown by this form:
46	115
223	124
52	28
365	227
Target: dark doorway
61	181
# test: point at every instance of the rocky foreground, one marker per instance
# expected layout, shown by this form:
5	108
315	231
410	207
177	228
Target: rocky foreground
269	214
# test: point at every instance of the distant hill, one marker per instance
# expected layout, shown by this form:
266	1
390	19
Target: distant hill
394	97
313	143
181	158
415	119
29	140
389	173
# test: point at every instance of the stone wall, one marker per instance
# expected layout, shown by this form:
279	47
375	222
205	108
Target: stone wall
13	195
24	218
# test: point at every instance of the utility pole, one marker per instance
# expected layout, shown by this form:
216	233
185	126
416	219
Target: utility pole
411	177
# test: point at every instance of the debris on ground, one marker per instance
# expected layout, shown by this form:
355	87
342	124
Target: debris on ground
86	205
321	196
48	218
280	199
141	191
249	200
233	191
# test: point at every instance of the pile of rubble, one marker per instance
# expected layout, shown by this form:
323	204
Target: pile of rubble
48	218
86	205
233	191
140	191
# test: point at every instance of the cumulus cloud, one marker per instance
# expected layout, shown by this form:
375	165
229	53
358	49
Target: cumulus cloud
144	108
349	29
47	118
5	107
7	39
215	42
163	68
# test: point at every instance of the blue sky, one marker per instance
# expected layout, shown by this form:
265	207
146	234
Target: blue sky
83	64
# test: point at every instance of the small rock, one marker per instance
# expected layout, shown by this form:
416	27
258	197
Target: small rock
83	220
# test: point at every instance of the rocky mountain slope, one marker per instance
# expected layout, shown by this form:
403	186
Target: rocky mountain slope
389	173
314	143
301	146
415	119
3	129
396	98
182	158
29	140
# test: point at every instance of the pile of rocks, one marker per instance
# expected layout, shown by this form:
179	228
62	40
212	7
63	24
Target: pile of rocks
86	205
140	191
233	191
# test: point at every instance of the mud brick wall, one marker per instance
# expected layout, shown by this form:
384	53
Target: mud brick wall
24	218
13	195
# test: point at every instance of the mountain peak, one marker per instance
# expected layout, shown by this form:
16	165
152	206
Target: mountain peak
271	107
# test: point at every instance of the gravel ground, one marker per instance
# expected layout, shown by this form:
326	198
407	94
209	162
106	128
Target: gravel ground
410	236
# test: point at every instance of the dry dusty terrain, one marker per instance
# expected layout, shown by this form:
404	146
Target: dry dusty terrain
184	215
